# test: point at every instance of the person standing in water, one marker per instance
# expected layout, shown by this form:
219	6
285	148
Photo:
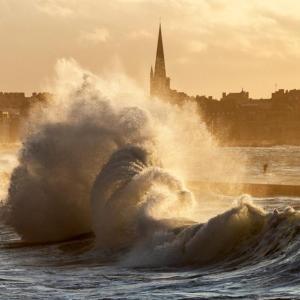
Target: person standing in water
265	168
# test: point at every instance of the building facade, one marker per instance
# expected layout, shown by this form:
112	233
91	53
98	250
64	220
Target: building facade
14	111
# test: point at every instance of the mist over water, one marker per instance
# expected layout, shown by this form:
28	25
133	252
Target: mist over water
105	159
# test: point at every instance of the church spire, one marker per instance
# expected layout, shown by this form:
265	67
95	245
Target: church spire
160	68
159	82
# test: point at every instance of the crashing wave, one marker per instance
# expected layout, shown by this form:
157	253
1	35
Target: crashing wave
136	206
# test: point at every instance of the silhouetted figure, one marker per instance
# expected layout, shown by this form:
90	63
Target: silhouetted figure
265	168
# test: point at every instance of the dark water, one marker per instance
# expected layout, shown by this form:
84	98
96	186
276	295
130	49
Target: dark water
266	267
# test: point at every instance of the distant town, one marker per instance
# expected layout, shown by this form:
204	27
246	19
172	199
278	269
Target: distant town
15	109
234	120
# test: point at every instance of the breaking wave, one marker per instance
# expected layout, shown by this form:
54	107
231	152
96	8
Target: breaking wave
140	207
106	160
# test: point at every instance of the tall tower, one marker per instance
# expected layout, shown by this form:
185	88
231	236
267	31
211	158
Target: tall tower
159	82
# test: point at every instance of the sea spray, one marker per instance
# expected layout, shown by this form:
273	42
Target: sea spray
49	195
8	161
70	141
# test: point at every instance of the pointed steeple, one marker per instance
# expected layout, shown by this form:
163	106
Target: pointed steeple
160	68
159	82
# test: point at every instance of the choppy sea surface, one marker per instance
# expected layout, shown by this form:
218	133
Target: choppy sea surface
266	267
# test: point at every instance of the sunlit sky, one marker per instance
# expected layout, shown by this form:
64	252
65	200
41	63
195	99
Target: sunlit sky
211	46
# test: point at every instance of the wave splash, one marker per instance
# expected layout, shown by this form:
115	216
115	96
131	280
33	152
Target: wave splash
69	142
140	207
49	194
107	160
132	196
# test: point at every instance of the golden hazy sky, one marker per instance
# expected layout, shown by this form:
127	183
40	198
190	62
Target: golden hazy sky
211	46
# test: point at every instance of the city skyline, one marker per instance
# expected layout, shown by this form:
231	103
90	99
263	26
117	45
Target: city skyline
217	46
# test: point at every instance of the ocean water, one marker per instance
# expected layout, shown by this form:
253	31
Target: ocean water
248	248
283	165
